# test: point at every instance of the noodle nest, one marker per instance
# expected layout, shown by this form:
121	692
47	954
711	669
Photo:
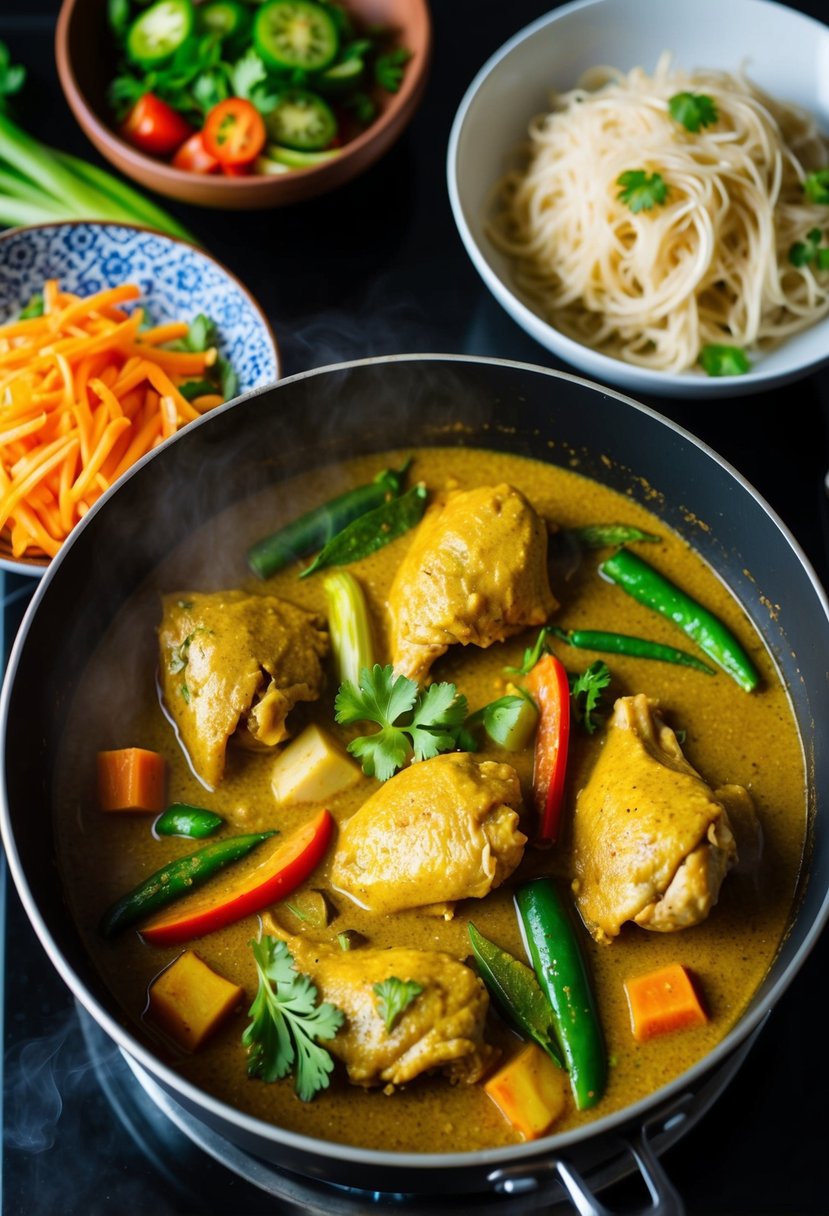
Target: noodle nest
708	266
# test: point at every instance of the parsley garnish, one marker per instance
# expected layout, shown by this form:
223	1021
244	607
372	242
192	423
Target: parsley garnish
394	997
641	190
412	722
802	253
287	1023
724	360
816	186
693	110
586	694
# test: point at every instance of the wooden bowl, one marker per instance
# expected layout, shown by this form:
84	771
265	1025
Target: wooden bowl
85	57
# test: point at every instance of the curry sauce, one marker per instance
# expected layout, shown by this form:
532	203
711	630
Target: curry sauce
730	736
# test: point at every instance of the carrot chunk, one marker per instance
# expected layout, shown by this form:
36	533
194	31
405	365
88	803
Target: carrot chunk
189	1001
131	779
662	1001
530	1090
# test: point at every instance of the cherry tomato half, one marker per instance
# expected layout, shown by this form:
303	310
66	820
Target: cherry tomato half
193	155
234	132
153	126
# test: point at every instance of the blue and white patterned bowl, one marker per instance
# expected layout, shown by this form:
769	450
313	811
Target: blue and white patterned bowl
177	281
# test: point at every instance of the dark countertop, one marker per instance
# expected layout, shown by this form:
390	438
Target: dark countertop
378	268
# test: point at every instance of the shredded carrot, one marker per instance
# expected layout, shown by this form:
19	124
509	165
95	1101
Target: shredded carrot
84	394
662	1001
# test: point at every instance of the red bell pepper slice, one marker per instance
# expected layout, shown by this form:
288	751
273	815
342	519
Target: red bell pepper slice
549	687
154	127
281	866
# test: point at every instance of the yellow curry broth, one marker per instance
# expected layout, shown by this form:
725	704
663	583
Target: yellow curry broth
731	737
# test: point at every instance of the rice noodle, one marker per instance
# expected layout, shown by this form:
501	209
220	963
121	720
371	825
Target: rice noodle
711	264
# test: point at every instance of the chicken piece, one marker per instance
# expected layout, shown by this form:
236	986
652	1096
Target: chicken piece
233	664
476	572
441	1029
441	830
652	842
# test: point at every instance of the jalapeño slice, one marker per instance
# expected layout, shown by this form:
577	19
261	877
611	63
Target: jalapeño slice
159	31
301	120
295	34
225	18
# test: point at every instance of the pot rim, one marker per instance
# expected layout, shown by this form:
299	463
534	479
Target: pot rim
615	1121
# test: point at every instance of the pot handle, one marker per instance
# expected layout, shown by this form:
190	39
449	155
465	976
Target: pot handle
666	1200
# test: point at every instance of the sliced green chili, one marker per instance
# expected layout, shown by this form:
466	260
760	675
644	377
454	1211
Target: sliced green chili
178	878
645	584
600	536
556	956
623	643
372	531
316	528
183	820
516	992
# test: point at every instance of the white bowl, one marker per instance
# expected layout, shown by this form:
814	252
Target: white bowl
783	51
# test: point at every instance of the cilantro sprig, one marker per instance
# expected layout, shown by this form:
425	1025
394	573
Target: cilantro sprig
394	996
640	190
586	691
413	723
287	1023
693	110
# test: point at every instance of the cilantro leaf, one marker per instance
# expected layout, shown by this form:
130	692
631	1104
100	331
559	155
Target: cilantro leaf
388	68
586	693
693	110
394	997
641	190
816	186
286	1023
724	360
362	107
209	88
412	723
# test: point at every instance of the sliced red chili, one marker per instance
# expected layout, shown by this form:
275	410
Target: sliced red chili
234	132
549	687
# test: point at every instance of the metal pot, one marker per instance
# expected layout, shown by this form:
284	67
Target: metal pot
323	416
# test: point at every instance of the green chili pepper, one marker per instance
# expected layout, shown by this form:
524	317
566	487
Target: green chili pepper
649	587
372	531
317	527
516	992
183	820
178	878
556	956
599	536
623	643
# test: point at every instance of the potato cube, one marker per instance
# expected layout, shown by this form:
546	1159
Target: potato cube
312	768
530	1090
189	1001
